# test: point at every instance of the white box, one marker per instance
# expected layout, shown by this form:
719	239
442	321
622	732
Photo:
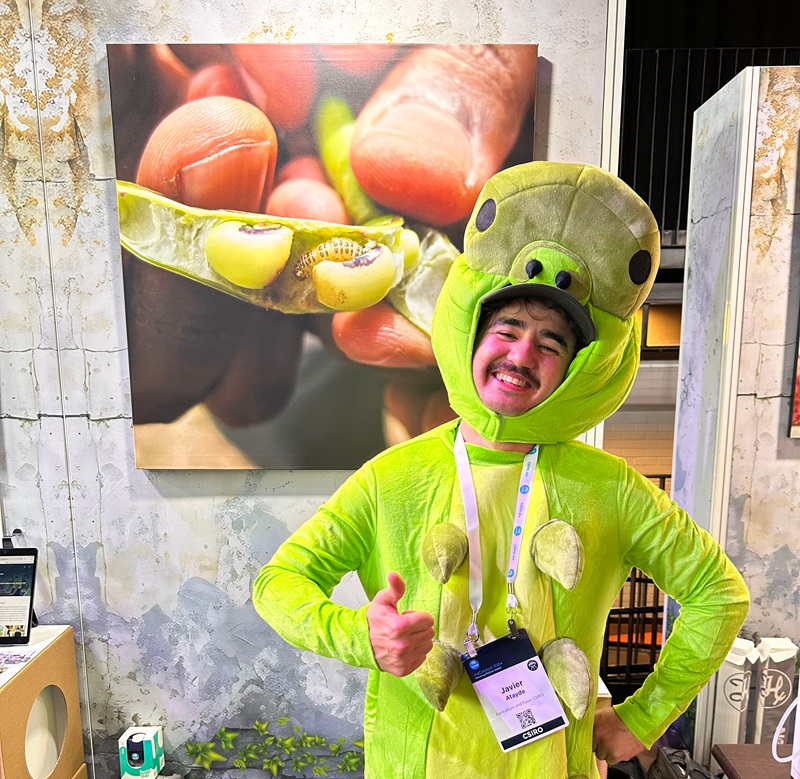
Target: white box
733	685
776	669
141	753
733	693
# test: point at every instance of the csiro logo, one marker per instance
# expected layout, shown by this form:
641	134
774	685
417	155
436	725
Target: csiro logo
524	489
474	664
511	572
517	530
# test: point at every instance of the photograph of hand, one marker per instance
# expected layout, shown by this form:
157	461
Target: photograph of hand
288	213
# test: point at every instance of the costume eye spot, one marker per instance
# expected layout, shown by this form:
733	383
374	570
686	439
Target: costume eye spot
639	267
563	279
485	216
533	268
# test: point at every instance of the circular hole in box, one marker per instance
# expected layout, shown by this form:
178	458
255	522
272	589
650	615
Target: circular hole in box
44	737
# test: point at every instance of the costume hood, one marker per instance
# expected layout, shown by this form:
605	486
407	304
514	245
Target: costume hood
589	236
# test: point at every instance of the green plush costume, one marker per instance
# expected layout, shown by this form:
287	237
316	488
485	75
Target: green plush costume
591	518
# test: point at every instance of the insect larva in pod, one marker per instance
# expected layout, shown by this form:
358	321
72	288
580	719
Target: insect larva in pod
336	249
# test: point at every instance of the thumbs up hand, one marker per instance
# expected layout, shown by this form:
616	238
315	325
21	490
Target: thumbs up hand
400	640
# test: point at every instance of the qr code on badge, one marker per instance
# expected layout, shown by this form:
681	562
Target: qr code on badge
526	718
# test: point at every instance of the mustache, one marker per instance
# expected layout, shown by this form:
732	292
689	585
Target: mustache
505	366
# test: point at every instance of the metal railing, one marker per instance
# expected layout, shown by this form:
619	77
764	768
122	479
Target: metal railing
662	88
634	629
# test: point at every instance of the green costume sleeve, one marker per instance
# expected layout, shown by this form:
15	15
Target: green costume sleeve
685	562
292	592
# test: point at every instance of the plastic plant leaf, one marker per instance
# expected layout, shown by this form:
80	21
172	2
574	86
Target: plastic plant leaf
227	738
204	754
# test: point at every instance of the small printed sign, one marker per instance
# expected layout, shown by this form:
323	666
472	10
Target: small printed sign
515	692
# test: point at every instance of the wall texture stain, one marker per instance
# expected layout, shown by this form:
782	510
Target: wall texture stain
47	110
761	304
154	569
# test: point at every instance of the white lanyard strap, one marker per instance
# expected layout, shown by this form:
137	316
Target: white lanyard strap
473	529
523	497
473	532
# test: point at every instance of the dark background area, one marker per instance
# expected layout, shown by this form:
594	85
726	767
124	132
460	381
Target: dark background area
677	56
709	23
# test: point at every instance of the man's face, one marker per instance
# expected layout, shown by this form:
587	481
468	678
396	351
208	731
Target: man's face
522	357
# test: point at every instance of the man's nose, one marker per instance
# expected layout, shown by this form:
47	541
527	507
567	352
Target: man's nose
523	352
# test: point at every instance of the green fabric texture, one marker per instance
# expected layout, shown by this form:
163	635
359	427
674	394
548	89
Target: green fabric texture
576	220
554	212
376	522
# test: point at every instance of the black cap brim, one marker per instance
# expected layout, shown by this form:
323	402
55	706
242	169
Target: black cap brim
538	291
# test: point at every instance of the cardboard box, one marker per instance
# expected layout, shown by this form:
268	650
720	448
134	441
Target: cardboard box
141	753
33	712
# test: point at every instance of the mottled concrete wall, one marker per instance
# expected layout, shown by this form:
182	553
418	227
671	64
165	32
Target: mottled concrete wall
733	454
154	568
713	203
764	510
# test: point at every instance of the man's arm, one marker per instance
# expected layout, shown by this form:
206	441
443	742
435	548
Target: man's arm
292	592
687	564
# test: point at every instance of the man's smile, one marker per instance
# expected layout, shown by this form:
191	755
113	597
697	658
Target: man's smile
515	375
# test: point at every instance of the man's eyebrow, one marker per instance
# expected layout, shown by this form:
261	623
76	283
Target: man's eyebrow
508	321
557	337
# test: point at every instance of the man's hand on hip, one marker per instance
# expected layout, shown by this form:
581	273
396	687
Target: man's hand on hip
612	740
400	640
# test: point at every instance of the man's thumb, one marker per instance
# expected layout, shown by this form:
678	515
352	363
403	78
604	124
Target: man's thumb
390	596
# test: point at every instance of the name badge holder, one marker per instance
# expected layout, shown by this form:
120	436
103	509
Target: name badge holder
507	674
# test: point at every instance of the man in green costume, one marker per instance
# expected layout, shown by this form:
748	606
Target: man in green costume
536	337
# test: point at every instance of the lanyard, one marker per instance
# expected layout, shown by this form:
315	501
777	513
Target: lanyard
473	531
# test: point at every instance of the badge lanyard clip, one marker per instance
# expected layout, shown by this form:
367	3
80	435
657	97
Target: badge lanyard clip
473	533
473	636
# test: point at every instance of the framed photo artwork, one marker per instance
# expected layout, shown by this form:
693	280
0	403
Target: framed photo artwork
287	215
